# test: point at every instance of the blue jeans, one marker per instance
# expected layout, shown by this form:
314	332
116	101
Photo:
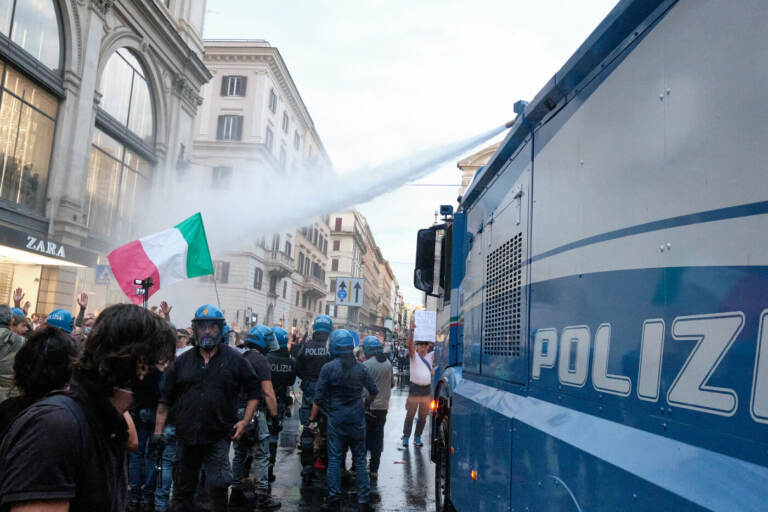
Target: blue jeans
307	397
337	447
141	469
169	461
259	451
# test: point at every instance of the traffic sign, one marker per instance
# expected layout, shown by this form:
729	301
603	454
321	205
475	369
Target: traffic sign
103	274
350	291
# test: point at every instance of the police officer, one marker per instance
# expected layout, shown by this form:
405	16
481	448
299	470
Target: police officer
310	358
339	393
62	319
202	386
257	344
283	368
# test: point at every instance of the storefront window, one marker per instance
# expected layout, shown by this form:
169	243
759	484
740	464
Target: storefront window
118	175
126	95
33	25
116	178
27	125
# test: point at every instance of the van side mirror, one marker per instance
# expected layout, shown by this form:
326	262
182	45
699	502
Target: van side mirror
424	273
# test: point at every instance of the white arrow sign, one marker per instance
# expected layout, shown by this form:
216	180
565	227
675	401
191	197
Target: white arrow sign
350	291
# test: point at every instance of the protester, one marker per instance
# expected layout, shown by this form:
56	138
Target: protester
42	364
338	392
421	361
257	344
10	343
68	451
19	323
201	386
380	370
141	470
183	342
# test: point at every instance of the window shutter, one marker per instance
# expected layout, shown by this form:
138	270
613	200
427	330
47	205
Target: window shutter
220	129
224	83
338	224
243	84
238	128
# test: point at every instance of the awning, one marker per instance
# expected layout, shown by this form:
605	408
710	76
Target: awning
26	248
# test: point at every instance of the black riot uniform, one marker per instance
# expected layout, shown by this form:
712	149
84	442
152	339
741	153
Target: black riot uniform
310	358
283	368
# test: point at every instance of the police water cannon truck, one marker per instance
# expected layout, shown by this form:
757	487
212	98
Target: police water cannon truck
602	287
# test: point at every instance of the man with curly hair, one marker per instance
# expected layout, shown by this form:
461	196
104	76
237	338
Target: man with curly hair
67	452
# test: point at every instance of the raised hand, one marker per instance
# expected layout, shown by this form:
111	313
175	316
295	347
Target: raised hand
18	296
165	310
82	300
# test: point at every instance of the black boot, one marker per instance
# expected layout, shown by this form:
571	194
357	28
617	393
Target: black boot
266	502
332	505
237	498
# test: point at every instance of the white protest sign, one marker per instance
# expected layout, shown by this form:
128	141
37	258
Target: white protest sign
425	326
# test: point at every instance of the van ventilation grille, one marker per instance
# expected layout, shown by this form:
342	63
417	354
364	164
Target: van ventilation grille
503	293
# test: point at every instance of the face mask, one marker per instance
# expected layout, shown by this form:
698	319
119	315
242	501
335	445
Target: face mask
208	343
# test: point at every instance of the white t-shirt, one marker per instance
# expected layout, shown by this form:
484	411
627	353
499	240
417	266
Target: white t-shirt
420	374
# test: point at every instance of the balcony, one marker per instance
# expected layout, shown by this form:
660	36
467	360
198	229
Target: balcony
315	286
278	263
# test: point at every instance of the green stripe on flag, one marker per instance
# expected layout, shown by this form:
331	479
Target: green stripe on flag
198	255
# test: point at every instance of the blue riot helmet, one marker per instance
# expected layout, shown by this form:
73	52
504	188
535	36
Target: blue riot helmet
62	319
18	312
371	346
281	335
322	323
261	338
204	316
342	342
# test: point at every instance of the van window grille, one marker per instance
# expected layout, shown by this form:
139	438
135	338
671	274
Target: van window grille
503	281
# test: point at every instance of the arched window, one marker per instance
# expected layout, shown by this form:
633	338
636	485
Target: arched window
126	95
33	25
123	146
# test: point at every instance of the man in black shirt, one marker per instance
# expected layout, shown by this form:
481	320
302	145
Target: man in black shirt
283	368
67	452
202	386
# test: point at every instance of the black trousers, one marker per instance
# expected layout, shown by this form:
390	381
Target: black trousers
374	436
218	475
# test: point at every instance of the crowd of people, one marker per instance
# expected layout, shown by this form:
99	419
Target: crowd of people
122	411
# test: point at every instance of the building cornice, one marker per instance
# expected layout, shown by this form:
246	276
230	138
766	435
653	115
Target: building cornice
182	57
259	51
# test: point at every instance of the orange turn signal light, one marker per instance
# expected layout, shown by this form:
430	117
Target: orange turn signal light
433	405
474	475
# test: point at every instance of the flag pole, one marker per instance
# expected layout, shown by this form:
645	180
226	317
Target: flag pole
215	287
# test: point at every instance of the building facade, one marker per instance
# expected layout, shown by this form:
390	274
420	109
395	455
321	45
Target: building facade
97	103
310	279
354	253
470	165
253	119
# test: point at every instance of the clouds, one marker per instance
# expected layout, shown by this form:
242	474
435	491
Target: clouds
382	79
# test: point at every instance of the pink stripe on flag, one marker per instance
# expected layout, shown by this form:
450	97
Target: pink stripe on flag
130	262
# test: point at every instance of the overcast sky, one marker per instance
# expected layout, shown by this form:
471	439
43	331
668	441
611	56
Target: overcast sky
385	78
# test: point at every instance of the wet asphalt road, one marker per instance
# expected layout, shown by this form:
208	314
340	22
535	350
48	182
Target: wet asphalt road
406	475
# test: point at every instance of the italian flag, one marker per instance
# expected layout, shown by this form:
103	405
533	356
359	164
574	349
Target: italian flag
168	257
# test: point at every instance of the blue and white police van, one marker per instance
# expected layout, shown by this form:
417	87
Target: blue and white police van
603	283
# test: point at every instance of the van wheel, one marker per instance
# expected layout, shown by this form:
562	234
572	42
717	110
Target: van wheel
443	467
